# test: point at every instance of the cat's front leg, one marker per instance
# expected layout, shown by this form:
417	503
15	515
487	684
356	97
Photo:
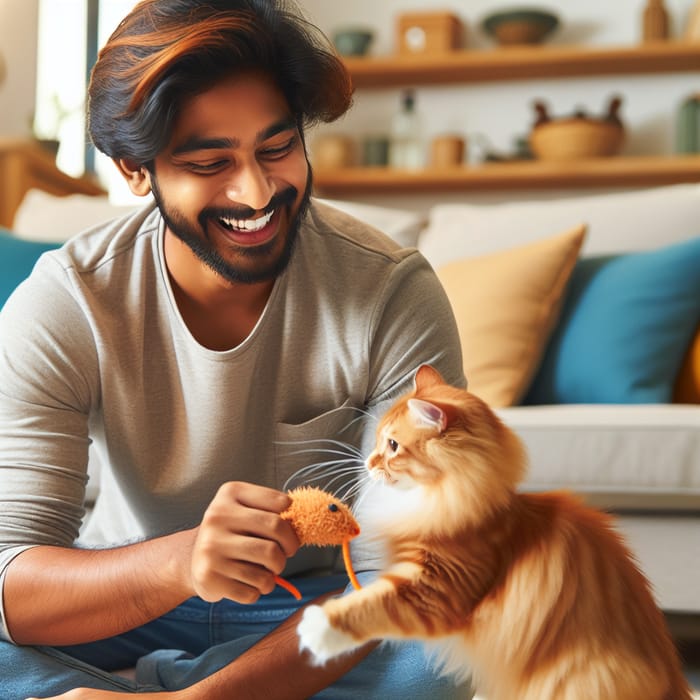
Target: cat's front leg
318	636
343	624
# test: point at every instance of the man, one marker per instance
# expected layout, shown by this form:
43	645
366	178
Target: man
196	345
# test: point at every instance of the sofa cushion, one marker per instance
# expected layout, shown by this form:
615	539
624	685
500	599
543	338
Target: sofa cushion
687	387
617	223
622	456
506	305
626	325
46	217
17	259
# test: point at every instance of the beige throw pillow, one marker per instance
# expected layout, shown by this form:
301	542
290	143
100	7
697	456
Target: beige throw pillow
506	305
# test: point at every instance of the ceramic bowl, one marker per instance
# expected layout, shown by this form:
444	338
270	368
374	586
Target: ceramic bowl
353	42
520	26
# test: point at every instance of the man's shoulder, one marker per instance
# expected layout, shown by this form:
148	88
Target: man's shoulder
106	243
329	227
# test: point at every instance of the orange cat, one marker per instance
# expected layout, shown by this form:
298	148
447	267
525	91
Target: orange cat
534	593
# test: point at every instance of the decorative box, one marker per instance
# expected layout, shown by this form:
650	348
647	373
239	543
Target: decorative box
429	32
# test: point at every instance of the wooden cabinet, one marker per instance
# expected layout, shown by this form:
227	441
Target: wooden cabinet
24	165
519	63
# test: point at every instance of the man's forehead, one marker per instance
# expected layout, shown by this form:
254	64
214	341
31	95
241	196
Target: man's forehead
243	107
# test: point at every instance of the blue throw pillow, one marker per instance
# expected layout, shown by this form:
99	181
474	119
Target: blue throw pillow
624	329
17	259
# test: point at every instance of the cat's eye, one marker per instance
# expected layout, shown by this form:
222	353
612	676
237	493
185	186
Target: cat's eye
393	445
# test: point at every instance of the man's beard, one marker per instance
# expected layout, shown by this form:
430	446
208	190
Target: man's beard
205	252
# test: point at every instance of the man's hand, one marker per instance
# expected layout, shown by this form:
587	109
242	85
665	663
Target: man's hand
241	544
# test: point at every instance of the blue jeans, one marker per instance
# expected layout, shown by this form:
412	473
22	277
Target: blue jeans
197	639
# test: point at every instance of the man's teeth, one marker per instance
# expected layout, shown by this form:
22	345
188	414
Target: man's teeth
247	224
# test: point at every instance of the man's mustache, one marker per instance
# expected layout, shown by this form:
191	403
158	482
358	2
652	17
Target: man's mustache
286	197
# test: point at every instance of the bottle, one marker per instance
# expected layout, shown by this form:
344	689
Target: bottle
655	25
406	148
688	126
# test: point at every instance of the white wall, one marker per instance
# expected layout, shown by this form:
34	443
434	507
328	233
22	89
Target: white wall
18	28
500	112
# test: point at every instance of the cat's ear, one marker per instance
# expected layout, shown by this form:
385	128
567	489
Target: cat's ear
427	415
427	376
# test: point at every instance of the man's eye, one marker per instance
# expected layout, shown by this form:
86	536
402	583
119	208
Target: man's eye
393	445
207	167
273	152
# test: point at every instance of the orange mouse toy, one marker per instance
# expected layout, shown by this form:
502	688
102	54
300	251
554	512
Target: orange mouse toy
320	519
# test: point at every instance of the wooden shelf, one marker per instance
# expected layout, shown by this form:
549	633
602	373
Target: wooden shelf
618	171
522	63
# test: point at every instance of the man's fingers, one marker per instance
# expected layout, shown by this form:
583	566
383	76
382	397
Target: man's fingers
236	580
254	496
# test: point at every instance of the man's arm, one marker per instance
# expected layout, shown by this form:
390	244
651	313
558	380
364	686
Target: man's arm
88	595
91	594
275	669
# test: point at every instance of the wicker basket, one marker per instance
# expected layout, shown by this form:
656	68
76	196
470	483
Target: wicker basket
576	138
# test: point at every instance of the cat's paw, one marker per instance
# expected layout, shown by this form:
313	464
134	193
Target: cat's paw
323	641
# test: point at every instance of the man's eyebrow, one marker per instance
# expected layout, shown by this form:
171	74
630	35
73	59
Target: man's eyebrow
282	125
199	143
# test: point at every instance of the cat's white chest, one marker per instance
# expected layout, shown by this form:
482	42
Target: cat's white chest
383	506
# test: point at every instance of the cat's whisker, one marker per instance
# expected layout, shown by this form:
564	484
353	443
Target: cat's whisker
323	451
327	477
359	418
326	484
322	470
328	465
341	474
368	414
363	492
347	448
362	477
353	489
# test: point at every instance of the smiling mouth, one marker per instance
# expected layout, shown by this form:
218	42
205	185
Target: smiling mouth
246	225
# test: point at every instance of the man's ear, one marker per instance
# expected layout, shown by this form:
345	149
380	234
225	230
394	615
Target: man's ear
137	176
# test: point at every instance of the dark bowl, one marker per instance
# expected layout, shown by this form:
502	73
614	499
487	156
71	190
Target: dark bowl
520	25
353	42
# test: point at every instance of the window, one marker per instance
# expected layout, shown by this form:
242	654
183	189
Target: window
61	67
62	74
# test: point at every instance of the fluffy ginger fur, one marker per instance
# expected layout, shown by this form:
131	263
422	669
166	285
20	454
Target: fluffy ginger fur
536	594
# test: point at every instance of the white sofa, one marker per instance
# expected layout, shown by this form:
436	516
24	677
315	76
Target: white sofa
640	459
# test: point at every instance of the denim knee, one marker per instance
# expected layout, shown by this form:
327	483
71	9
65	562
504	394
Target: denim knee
396	671
27	671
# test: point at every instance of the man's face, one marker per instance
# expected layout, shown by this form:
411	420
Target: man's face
234	183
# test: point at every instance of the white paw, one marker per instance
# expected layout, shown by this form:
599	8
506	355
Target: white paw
323	641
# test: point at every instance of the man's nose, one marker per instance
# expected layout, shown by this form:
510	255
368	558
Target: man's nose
250	184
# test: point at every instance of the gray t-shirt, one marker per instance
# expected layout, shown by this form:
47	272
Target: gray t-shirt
93	350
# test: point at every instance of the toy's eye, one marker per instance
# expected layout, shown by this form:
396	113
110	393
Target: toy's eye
332	507
393	445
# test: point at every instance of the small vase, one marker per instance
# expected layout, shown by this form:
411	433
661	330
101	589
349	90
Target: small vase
655	25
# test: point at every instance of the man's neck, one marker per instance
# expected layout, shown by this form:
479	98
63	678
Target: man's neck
220	314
